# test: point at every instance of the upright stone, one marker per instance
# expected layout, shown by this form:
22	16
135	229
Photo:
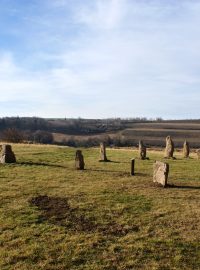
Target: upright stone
7	155
133	166
79	160
160	173
142	150
169	149
103	152
198	153
186	149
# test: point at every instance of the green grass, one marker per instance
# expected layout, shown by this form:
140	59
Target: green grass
99	218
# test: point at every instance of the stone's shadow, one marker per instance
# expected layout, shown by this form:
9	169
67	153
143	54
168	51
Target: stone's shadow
109	161
182	187
124	174
100	170
141	174
117	172
29	163
138	158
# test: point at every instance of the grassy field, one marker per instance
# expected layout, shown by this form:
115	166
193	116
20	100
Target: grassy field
54	217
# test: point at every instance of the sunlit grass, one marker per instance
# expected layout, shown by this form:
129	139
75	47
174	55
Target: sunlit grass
112	221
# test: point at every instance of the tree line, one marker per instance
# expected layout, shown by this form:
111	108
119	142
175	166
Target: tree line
40	130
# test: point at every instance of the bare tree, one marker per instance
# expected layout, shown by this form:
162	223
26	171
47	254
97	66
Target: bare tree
12	135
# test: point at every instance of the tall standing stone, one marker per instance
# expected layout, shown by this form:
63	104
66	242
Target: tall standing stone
169	149
79	160
7	155
103	152
186	149
198	153
160	173
142	150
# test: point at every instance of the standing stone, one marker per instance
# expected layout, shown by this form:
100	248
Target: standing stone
133	166
103	152
198	153
169	150
142	150
79	160
7	155
186	149
160	173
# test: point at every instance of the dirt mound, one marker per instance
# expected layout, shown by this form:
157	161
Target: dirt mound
58	211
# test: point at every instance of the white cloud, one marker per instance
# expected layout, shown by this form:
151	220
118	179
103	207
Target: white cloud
19	84
116	58
102	14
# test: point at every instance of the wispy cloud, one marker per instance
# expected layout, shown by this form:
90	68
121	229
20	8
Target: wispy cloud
102	14
101	58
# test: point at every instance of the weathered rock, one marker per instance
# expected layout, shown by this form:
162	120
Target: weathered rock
160	173
103	152
79	160
169	149
142	150
198	153
186	149
7	155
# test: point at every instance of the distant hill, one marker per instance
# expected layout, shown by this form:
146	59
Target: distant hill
121	132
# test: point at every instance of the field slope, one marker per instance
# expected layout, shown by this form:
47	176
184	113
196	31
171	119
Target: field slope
54	217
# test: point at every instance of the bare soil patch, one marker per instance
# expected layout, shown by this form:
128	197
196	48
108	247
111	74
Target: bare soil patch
58	211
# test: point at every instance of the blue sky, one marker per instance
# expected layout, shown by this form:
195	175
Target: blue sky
100	58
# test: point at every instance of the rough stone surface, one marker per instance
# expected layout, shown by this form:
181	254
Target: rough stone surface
186	149
142	150
198	153
169	149
160	173
7	155
79	160
103	152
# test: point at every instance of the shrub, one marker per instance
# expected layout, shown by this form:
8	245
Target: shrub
43	137
12	135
